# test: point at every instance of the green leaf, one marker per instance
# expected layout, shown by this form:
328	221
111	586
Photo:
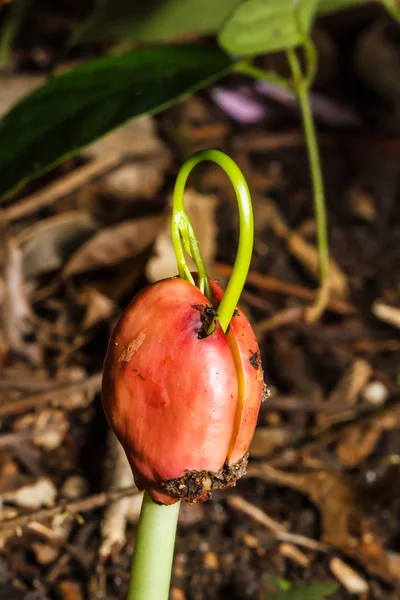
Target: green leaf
393	7
76	108
314	591
326	7
155	21
262	26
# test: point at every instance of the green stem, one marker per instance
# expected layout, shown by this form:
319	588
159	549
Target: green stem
154	551
257	73
183	236
302	89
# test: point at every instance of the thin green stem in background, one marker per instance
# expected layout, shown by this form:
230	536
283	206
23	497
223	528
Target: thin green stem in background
251	70
302	88
154	551
16	13
182	232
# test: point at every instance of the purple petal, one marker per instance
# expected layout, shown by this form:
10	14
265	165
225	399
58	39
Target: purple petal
239	104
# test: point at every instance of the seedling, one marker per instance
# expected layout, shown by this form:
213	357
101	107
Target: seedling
182	386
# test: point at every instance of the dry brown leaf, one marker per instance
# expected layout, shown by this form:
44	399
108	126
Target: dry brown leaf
342	523
136	180
351	384
306	253
114	244
98	307
17	322
49	427
45	554
268	439
49	243
356	445
201	210
40	493
348	388
138	138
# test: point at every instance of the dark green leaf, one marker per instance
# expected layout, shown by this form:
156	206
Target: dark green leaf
262	26
313	591
155	20
74	109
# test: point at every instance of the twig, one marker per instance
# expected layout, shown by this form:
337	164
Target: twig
55	396
261	518
270	284
78	506
62	187
388	314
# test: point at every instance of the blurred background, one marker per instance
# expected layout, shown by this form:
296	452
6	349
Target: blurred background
318	514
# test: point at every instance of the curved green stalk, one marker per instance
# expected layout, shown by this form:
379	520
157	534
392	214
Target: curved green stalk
154	551
183	236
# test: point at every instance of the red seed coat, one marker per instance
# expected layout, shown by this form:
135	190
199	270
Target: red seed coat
169	396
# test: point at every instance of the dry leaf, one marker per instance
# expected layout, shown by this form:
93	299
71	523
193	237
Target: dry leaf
138	138
40	493
268	439
348	388
356	444
15	311
341	519
114	244
307	254
98	307
201	210
146	160
49	427
49	243
136	180
44	553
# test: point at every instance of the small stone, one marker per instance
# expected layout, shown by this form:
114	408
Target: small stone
211	561
375	393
